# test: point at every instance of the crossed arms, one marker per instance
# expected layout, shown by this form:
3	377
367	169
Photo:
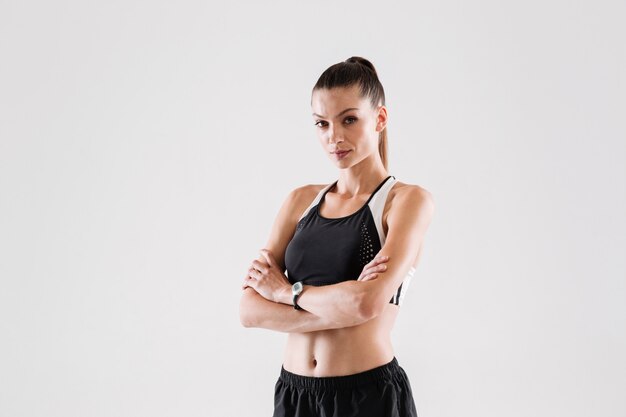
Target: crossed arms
346	303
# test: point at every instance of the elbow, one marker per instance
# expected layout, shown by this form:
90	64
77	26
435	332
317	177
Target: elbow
368	306
245	320
368	311
245	310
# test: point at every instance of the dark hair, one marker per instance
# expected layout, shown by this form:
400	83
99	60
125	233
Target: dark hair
357	70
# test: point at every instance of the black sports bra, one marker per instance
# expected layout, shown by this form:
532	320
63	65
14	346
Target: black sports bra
326	251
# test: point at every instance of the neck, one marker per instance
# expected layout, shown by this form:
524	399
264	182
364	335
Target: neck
359	179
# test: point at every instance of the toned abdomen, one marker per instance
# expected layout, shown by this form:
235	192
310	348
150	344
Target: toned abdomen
345	351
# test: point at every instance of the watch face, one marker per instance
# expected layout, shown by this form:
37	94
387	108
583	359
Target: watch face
297	286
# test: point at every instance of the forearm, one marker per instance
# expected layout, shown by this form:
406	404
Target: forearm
256	311
341	302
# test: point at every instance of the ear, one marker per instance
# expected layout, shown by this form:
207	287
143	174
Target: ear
381	118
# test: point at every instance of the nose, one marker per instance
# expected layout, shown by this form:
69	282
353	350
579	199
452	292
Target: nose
333	137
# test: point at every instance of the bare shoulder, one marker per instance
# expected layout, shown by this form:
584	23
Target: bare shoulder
403	197
303	196
283	228
308	190
403	194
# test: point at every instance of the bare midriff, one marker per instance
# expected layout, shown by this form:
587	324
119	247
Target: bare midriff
345	351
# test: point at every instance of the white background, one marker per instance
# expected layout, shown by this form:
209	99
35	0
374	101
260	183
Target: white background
146	146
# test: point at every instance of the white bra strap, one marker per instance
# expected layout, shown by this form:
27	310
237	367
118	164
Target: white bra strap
377	205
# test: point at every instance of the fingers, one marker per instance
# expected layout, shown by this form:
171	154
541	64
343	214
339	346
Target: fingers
261	267
374	269
268	256
254	273
369	277
251	278
374	266
258	268
378	260
248	282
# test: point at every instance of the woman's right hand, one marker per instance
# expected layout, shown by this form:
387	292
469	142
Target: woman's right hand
371	270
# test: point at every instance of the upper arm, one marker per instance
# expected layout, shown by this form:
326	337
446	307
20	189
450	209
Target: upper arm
407	222
281	233
285	222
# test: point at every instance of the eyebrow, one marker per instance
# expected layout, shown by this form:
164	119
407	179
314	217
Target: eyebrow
340	113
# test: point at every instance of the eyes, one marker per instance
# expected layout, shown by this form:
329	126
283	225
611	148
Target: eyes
353	120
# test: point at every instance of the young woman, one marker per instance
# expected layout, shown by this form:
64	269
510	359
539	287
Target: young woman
349	249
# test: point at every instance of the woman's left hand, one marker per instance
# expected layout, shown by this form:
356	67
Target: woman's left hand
267	278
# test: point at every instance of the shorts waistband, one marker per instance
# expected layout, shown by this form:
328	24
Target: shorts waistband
382	372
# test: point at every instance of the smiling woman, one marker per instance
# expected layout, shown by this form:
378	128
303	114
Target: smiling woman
339	260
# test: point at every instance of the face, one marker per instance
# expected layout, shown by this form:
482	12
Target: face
346	122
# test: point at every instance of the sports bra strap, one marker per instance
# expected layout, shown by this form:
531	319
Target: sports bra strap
324	190
316	200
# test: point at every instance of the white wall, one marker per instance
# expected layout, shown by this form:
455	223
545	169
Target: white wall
145	148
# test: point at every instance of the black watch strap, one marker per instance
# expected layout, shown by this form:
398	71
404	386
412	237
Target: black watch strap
295	302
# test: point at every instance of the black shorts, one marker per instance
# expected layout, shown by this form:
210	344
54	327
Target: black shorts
383	391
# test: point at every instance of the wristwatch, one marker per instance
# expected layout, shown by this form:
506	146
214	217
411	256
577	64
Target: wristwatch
296	289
